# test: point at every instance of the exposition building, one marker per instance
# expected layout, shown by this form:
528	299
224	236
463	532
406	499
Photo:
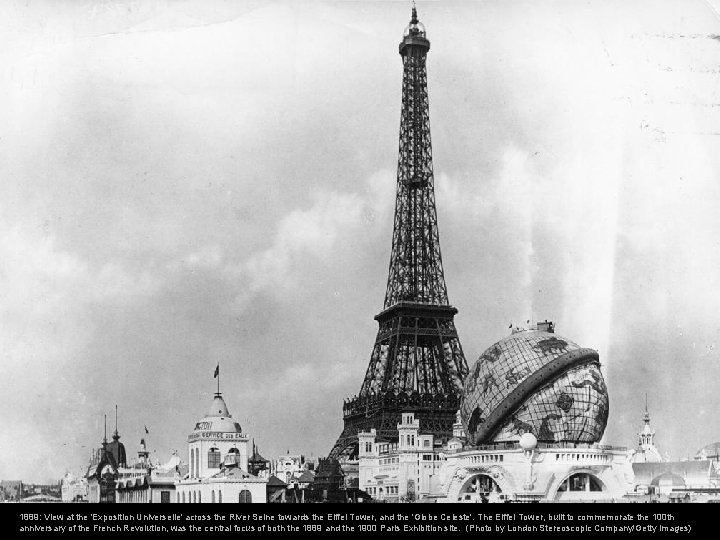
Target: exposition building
219	455
534	408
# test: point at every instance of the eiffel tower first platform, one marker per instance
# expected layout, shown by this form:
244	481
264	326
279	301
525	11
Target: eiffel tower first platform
417	363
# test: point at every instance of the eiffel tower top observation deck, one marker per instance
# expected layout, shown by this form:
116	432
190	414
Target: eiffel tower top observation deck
417	363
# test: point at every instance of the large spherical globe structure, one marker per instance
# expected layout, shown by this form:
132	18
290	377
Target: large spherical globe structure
535	382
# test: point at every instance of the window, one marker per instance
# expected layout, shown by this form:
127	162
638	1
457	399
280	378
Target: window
219	495
212	496
199	497
214	458
245	496
164	496
426	443
578	482
481	484
192	462
581	482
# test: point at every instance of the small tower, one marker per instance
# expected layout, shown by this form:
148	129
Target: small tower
408	429
458	428
116	447
367	443
258	465
143	454
408	445
217	439
647	451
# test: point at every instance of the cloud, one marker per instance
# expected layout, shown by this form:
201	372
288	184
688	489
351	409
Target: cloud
301	377
207	257
313	231
334	218
38	280
47	297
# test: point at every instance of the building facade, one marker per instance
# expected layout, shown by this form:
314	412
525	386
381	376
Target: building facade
663	480
405	470
146	482
291	467
417	468
528	471
73	489
106	465
219	453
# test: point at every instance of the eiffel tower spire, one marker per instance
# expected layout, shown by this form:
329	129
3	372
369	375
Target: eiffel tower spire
417	363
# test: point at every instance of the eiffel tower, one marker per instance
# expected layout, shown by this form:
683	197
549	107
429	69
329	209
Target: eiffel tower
417	364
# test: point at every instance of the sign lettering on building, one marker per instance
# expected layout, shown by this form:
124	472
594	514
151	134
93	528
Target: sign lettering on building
215	435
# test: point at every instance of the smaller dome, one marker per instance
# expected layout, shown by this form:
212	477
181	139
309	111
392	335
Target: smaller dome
415	29
710	451
218	418
218	407
668	480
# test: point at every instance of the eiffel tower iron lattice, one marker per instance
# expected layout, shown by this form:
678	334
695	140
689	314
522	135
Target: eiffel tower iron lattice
417	363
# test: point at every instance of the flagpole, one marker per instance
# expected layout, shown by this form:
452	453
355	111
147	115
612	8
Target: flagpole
218	387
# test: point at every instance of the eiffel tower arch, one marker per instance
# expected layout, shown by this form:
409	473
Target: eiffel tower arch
417	363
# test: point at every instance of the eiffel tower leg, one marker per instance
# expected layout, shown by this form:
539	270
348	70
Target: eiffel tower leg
345	443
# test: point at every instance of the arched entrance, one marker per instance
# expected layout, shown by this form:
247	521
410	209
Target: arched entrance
480	488
581	486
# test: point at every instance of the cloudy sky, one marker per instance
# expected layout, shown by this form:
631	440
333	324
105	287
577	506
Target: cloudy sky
190	182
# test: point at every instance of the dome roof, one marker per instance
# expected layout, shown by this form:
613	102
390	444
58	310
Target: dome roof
117	449
710	451
668	479
218	418
535	382
218	407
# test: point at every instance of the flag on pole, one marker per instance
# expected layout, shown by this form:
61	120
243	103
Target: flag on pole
217	371
146	430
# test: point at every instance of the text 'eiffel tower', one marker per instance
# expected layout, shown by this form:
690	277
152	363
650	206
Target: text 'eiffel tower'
417	362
